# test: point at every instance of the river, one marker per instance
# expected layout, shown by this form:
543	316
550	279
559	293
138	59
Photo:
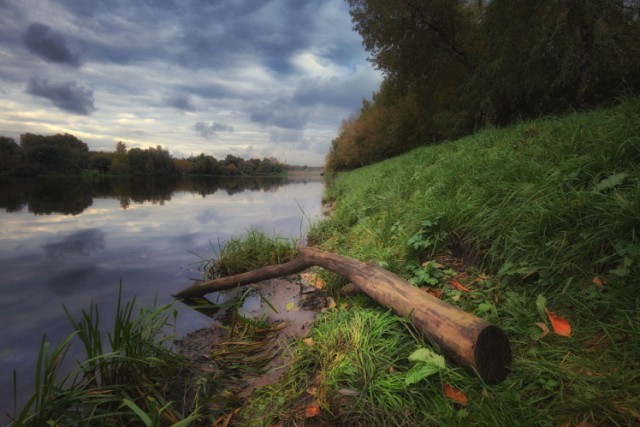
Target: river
72	241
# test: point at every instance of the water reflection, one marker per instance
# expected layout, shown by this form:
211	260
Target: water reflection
83	242
73	195
87	244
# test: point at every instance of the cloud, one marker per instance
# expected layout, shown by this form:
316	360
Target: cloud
180	102
275	74
68	96
209	129
280	113
344	92
41	40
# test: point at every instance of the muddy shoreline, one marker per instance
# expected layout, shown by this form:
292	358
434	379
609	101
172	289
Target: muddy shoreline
254	327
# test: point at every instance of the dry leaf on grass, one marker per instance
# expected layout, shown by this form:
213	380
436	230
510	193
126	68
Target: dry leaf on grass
312	411
459	286
559	324
454	394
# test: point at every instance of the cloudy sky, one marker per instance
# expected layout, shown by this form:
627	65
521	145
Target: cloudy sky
253	78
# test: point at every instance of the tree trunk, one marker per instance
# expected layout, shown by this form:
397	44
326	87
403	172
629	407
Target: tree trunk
466	339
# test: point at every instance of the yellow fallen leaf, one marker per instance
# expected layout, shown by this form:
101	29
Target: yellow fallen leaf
290	305
308	342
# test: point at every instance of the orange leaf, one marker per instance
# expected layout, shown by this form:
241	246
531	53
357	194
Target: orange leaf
598	282
312	411
459	286
560	325
455	394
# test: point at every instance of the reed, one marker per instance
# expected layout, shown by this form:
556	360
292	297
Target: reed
132	379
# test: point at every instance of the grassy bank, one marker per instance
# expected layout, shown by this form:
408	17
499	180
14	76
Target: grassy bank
544	215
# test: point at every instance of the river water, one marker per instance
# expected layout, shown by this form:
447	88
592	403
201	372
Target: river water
72	241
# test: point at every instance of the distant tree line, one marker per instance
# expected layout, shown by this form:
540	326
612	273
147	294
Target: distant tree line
38	154
66	154
158	161
452	67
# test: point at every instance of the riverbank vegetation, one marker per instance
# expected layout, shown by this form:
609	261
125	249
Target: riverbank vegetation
521	226
454	67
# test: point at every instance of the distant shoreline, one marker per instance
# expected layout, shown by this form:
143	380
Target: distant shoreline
310	173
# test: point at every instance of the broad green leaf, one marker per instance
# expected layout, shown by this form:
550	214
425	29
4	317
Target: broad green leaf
427	356
541	305
485	307
421	371
610	182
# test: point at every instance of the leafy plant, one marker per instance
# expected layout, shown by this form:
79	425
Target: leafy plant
430	235
428	273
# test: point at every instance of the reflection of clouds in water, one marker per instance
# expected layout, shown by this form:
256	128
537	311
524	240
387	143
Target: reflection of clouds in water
71	280
83	242
208	216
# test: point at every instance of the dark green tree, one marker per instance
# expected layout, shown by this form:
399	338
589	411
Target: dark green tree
63	154
548	56
101	163
10	155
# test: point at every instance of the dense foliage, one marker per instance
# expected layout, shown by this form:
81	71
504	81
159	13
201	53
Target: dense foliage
453	66
158	161
66	154
37	154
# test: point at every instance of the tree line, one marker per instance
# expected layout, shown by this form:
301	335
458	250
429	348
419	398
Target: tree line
66	154
452	67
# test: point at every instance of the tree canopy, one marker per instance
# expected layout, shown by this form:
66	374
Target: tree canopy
66	154
453	66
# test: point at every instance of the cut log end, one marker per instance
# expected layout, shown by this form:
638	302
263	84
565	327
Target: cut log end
492	355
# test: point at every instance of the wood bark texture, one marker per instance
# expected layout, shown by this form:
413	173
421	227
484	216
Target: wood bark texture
465	338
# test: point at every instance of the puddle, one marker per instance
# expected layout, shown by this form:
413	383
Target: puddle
290	303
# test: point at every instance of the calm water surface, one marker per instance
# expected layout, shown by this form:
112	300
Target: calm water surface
72	241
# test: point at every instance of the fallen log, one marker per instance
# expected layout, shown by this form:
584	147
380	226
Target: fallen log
466	339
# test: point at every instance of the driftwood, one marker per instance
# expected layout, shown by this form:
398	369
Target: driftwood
466	339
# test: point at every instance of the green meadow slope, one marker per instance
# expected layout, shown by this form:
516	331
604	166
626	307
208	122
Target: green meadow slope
543	215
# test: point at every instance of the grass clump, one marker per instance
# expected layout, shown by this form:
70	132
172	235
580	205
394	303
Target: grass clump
134	380
543	211
248	252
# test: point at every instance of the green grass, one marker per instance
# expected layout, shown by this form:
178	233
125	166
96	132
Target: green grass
135	379
542	207
253	250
